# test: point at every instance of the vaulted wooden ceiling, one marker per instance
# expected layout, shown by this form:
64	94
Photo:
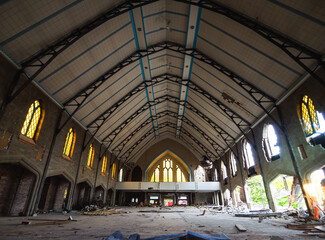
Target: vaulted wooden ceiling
135	72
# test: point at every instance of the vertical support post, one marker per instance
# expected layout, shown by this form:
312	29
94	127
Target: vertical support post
242	173
268	196
96	174
294	160
8	98
78	170
48	160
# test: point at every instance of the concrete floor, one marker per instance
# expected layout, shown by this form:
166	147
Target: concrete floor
147	224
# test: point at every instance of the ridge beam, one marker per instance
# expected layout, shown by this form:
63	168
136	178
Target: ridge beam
191	37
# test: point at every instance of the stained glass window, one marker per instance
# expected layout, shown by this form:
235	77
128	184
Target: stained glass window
69	143
167	170
179	175
104	165
33	120
170	172
155	175
91	156
114	170
309	116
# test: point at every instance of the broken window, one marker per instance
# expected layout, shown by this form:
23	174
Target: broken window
255	191
69	143
233	164
91	156
216	177
249	162
281	189
313	122
199	174
224	173
270	143
33	121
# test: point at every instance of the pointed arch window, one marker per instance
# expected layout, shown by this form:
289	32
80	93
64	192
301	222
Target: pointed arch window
91	156
155	175
179	175
33	122
313	122
167	170
120	176
233	163
69	144
114	170
308	116
248	155
270	143
104	165
224	172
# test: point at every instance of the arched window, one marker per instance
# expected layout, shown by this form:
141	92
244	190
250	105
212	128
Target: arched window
33	122
104	165
91	156
155	175
170	172
313	122
179	175
216	177
224	172
233	164
248	155
270	143
69	144
308	116
199	174
167	170
114	170
120	176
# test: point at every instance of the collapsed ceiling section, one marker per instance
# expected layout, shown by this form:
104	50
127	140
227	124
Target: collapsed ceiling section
134	72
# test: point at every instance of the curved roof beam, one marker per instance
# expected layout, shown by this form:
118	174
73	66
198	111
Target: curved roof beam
109	138
128	152
119	148
295	50
97	123
258	95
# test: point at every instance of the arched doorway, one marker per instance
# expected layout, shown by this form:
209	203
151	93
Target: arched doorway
55	194
82	195
16	186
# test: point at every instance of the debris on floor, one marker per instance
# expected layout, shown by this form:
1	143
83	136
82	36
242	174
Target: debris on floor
186	236
240	228
104	212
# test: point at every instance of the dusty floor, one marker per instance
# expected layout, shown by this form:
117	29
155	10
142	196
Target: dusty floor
147	224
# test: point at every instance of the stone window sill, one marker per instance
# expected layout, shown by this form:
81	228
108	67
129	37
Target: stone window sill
27	140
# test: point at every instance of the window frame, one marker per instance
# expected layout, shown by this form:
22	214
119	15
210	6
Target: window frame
104	165
91	154
69	156
23	136
233	162
267	146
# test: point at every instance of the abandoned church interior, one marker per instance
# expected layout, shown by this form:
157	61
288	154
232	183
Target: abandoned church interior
206	109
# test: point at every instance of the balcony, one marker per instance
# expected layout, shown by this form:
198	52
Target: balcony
169	187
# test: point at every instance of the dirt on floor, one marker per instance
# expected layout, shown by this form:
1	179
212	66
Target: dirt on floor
148	223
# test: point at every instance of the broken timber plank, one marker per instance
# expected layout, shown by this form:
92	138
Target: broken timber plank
303	226
240	228
258	215
320	228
